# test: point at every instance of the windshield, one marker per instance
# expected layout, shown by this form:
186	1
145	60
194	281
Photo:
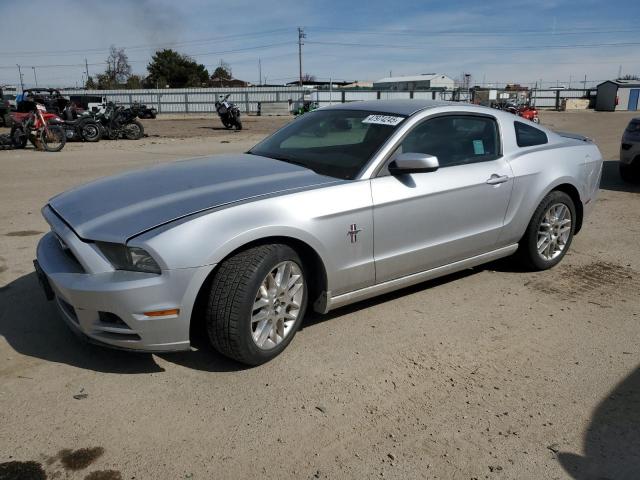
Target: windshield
337	143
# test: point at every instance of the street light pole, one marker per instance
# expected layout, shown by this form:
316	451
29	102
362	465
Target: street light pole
301	37
35	77
20	74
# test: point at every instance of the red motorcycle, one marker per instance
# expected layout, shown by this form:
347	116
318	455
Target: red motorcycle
529	112
34	126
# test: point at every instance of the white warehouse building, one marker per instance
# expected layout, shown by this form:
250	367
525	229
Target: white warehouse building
426	81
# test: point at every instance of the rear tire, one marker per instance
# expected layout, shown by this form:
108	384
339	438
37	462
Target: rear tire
19	138
238	125
247	321
133	130
550	232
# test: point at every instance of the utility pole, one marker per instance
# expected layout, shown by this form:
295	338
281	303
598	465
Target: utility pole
35	76
86	68
20	74
259	72
584	83
301	37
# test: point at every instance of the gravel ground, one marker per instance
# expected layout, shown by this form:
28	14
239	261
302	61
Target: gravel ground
489	373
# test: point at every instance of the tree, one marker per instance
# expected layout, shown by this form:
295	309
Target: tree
629	77
169	67
91	84
221	73
307	77
118	68
135	81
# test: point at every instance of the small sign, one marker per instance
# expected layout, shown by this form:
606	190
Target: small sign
383	120
478	147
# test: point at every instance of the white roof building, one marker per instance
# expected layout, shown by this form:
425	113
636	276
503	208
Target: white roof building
427	81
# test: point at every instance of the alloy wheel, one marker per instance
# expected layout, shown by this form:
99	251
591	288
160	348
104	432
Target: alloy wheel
554	231
277	305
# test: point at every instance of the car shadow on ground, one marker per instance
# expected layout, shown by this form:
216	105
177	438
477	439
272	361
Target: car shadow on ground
32	326
611	179
612	440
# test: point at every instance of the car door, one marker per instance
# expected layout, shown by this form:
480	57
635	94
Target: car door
426	220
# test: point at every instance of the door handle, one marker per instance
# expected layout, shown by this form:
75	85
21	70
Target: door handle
496	179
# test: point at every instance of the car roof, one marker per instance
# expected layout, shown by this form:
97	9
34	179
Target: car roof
398	107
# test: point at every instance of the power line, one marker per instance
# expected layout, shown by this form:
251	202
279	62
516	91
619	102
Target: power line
149	45
496	47
453	32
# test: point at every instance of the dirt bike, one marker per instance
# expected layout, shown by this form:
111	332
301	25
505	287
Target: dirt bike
35	126
228	112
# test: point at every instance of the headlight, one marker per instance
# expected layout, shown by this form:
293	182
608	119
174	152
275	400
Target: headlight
134	259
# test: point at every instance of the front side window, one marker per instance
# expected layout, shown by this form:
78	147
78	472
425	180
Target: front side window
455	139
528	136
338	143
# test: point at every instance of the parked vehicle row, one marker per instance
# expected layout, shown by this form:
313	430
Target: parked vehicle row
522	110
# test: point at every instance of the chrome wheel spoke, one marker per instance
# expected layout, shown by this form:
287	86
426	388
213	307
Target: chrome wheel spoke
554	231
276	307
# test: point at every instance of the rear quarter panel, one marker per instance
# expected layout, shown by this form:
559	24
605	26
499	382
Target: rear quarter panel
540	169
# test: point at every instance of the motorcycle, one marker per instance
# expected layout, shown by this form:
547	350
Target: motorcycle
529	112
81	128
35	126
307	106
146	112
117	121
228	112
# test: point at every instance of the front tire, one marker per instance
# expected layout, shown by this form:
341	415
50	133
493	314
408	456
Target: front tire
258	300
91	131
53	139
550	232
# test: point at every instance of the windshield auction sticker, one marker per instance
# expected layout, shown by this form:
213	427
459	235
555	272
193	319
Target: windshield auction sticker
383	120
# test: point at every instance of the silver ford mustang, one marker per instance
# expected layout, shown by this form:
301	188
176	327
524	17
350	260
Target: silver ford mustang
342	204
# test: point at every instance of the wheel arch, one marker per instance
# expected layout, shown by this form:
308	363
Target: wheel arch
311	260
573	192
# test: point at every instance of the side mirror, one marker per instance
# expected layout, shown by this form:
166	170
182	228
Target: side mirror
413	163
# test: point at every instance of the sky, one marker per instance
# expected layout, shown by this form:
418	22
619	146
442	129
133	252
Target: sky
496	41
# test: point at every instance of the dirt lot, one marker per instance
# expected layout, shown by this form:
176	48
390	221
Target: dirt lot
489	373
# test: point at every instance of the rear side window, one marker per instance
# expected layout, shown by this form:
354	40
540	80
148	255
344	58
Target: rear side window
528	136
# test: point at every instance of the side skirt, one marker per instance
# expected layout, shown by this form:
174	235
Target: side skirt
397	283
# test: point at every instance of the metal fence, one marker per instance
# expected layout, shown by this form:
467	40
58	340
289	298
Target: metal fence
553	98
198	100
201	100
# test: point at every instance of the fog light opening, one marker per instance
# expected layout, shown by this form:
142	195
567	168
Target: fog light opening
111	319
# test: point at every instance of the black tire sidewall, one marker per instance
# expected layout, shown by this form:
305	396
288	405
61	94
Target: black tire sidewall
530	239
249	352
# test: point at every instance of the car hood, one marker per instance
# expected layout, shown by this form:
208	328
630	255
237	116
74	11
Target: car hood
116	208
